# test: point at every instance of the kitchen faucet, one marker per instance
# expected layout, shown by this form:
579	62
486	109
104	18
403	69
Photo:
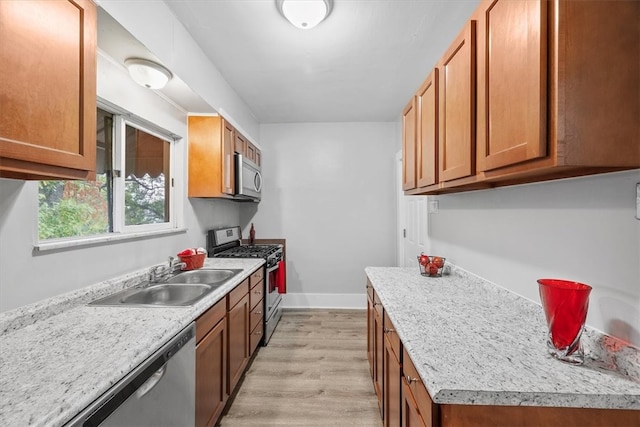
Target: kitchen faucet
163	271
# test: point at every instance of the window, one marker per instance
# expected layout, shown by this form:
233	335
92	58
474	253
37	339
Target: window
133	190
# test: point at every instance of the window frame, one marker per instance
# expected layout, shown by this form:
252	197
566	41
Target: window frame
121	119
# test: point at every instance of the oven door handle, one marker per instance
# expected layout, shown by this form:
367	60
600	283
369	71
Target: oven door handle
273	268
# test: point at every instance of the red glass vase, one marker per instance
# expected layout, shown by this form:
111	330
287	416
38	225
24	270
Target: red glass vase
565	305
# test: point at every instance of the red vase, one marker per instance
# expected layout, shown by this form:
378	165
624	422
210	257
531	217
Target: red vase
565	305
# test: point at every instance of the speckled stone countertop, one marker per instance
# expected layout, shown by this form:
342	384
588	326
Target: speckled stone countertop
59	355
474	342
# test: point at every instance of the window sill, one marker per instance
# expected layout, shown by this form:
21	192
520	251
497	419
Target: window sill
65	244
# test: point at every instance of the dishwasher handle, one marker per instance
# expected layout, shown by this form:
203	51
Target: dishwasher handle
151	382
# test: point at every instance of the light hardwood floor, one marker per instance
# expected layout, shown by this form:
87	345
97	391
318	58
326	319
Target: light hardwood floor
314	372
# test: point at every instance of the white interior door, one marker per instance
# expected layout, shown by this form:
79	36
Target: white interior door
413	223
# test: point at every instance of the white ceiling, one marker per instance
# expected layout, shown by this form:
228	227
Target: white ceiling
362	63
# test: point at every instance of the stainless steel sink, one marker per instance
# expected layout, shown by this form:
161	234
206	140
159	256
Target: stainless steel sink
167	295
183	289
208	276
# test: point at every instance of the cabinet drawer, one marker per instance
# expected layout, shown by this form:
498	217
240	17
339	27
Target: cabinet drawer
256	277
392	336
210	318
238	293
256	316
255	337
370	290
377	305
411	380
255	296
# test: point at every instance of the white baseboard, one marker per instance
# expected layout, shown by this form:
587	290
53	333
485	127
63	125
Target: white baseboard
346	301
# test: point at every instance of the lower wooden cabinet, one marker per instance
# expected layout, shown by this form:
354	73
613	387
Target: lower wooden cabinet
238	318
227	335
404	400
256	315
417	407
391	375
211	364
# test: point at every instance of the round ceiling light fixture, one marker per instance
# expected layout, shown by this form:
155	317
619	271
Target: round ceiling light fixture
305	14
148	73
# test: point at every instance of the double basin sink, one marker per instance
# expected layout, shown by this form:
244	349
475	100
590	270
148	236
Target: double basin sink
183	289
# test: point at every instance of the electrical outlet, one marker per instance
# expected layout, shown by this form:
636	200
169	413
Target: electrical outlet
433	206
638	200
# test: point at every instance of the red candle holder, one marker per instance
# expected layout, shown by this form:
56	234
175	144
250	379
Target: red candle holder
565	305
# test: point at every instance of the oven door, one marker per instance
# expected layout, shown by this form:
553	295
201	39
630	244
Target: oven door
273	295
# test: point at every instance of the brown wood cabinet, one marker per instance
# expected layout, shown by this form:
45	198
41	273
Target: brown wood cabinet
375	343
211	364
247	149
512	82
544	103
48	89
211	161
256	304
418	409
392	375
457	107
405	401
409	145
427	150
238	324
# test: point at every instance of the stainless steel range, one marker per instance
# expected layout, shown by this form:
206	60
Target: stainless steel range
226	243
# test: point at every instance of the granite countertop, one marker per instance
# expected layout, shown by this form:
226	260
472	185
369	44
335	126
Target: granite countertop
476	343
59	355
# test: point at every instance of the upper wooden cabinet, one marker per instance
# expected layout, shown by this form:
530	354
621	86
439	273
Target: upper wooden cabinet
554	94
457	107
211	161
427	131
409	146
48	89
512	82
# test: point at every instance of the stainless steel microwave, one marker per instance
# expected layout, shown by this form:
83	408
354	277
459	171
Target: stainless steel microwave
248	179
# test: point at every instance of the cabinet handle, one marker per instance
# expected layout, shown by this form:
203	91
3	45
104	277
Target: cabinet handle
257	292
257	333
376	303
257	312
387	330
411	380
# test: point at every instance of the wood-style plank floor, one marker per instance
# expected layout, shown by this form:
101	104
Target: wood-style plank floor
314	372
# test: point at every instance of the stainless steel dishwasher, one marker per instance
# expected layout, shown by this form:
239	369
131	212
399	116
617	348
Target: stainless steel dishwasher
159	392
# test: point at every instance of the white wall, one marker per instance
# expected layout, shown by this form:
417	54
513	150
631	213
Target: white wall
329	190
580	229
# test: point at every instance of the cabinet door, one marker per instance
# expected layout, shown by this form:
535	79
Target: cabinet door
238	317
240	145
370	332
512	82
409	146
378	352
48	89
410	415
211	375
228	163
392	381
417	407
457	107
251	152
427	131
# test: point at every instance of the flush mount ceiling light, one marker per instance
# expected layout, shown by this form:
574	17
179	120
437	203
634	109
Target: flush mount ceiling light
147	73
305	14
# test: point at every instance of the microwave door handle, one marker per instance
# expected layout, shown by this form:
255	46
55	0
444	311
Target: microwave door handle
239	173
257	181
